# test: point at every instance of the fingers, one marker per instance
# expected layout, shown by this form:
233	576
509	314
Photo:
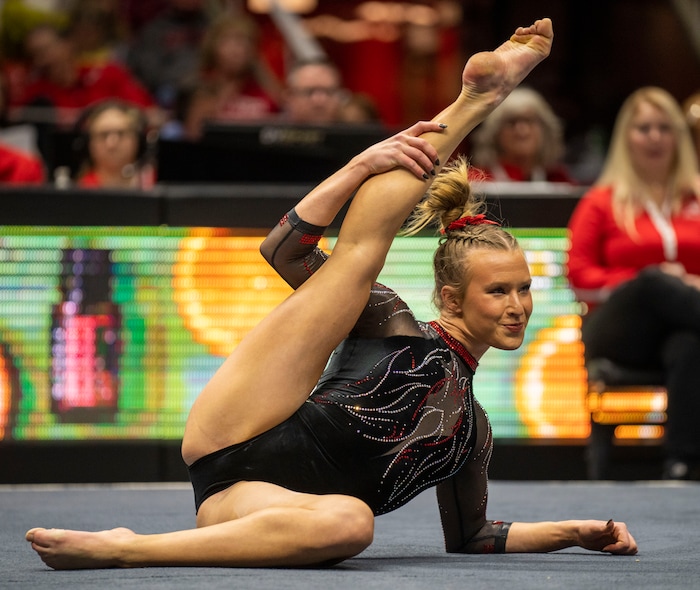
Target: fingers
424	127
417	154
419	158
408	150
624	542
611	537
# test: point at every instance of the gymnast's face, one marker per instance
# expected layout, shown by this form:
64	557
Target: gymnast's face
497	302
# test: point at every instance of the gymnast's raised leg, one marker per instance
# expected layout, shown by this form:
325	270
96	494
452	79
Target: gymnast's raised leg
270	374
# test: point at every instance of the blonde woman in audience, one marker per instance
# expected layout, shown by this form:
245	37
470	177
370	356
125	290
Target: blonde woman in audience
246	88
634	259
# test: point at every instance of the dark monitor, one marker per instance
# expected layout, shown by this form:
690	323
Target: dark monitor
272	152
60	147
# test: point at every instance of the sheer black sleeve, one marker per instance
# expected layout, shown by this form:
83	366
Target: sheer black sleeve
291	248
462	501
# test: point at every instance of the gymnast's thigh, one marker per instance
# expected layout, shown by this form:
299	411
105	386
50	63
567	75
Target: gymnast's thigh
243	498
275	367
248	497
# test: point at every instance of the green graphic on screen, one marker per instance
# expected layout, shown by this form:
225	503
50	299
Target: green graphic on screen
110	332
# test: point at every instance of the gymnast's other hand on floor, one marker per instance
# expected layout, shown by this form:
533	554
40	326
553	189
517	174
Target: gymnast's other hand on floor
612	537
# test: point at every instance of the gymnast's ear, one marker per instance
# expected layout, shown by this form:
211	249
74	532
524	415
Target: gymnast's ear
451	300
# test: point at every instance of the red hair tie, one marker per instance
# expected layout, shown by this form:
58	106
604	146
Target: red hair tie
462	222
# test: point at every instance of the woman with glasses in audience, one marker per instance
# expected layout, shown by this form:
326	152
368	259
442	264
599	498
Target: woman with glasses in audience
113	141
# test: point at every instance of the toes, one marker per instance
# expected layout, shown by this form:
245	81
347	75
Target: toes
29	535
42	537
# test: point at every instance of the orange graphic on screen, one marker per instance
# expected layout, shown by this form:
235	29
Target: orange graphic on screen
550	384
223	287
9	391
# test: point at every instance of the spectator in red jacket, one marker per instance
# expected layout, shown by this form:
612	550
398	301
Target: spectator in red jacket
60	81
635	260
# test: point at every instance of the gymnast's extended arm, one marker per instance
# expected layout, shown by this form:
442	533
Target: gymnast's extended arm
462	501
466	530
291	247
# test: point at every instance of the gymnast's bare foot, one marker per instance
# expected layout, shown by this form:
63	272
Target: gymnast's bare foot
490	76
66	550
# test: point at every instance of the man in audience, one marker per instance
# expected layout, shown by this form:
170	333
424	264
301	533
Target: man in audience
314	94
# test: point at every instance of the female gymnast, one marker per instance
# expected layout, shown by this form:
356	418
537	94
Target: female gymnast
291	454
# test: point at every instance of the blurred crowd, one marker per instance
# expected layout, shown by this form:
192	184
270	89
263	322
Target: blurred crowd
117	75
120	74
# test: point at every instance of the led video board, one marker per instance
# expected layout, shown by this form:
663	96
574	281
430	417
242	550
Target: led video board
111	332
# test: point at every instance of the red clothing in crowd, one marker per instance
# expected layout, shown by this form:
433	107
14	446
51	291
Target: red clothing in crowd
509	173
90	180
19	168
250	103
94	83
147	178
602	255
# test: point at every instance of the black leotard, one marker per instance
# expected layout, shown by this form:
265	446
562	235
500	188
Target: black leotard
388	418
392	414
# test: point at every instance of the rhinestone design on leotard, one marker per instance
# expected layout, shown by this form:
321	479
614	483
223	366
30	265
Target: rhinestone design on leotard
419	408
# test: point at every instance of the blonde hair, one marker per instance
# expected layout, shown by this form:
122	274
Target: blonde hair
630	192
223	25
486	151
256	69
450	198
